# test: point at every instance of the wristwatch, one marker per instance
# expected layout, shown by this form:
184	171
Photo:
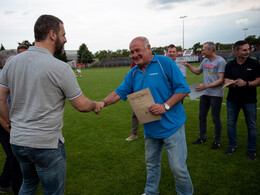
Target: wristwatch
166	106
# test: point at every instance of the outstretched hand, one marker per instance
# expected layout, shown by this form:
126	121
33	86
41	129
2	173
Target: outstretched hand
184	63
99	106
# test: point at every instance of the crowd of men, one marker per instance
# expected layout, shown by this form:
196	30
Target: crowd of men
38	84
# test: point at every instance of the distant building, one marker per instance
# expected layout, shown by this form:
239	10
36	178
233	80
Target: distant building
71	55
72	58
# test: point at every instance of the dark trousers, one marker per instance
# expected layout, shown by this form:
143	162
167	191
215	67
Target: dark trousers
135	123
11	173
215	103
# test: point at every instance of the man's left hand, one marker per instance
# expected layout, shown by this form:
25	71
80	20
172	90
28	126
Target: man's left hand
240	83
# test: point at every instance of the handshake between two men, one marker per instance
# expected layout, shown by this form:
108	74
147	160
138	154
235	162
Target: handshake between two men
83	104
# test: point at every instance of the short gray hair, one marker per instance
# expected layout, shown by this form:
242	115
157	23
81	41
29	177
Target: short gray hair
5	54
211	45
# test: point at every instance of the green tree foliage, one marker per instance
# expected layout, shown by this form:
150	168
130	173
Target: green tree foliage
197	47
2	47
253	41
159	50
84	55
103	54
179	48
125	52
112	54
226	46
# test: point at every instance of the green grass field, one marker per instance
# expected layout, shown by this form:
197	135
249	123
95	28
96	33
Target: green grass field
100	161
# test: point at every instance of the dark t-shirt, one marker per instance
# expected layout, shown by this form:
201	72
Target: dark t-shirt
248	71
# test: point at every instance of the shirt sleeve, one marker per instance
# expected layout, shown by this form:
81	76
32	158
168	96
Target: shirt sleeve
126	87
3	78
222	65
257	69
227	71
69	84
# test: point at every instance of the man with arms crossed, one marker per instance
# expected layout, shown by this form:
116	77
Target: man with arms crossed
168	87
244	73
213	68
39	84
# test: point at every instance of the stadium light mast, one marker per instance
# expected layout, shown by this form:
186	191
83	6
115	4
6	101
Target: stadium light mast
183	17
245	29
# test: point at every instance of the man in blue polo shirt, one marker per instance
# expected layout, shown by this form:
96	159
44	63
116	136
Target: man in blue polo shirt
168	87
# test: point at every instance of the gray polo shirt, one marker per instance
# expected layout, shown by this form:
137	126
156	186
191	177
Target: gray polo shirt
39	85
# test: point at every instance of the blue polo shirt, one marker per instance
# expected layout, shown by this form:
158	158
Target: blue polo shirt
163	77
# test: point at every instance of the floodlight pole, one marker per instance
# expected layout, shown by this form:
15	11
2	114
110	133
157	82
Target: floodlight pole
245	29
183	17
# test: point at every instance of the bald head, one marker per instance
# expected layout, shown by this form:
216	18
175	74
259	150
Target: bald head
144	39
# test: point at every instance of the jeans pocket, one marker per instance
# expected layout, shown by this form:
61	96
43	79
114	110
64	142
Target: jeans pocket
45	158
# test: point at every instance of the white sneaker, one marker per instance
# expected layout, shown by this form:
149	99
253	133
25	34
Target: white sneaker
131	137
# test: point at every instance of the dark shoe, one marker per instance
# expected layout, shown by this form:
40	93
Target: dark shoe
230	150
199	141
251	154
215	145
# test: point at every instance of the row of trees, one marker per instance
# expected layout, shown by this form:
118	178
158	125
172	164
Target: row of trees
85	56
197	47
252	40
112	54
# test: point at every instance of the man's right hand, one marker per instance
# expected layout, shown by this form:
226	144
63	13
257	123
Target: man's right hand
184	63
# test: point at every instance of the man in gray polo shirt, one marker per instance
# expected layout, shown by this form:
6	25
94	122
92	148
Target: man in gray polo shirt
39	84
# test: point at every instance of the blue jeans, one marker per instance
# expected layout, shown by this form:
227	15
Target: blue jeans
250	111
47	166
215	103
176	148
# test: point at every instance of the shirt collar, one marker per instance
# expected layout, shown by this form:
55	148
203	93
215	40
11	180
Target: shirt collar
39	49
155	57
